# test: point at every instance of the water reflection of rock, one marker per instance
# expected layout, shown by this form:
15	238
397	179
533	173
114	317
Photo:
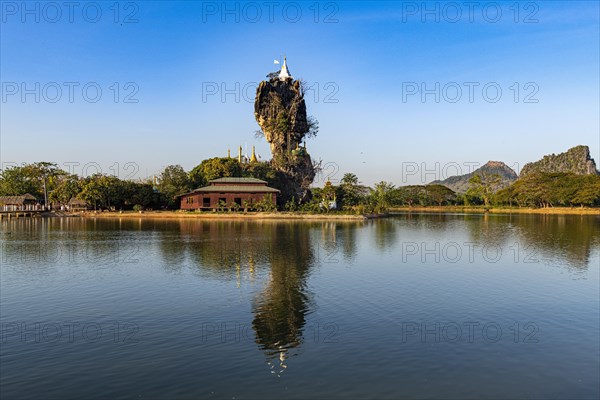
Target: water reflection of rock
280	309
284	254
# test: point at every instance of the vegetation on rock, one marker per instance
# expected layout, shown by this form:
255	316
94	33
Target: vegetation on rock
461	183
576	160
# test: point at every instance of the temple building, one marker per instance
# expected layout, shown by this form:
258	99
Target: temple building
228	192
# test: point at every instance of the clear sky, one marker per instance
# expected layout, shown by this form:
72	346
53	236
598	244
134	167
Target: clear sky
178	82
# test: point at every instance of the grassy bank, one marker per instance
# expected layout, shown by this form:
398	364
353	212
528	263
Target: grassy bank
333	216
229	216
503	210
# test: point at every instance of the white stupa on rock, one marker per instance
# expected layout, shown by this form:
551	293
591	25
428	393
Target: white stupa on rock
284	74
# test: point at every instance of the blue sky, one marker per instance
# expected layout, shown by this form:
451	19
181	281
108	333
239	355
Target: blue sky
368	61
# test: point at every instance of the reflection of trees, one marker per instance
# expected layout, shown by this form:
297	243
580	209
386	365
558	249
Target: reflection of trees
37	245
564	239
384	231
567	238
172	245
347	238
335	240
488	229
223	248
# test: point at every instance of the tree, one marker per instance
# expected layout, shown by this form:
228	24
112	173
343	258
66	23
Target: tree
68	188
264	171
46	173
91	192
505	196
141	194
483	186
588	193
409	195
439	194
547	189
349	179
16	181
381	197
214	168
313	127
173	181
349	191
102	191
37	179
265	204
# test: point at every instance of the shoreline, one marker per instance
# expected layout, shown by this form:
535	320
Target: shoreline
501	210
229	216
293	216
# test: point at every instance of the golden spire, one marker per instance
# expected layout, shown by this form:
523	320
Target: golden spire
253	157
240	155
228	153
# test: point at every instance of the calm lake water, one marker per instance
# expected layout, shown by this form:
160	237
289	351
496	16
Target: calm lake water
428	306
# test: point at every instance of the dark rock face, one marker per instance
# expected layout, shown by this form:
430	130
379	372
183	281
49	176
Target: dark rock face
460	183
280	111
576	160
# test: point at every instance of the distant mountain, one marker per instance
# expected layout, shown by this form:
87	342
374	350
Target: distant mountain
460	184
576	160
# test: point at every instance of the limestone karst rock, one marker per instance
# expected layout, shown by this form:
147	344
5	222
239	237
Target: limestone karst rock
576	160
460	183
280	111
